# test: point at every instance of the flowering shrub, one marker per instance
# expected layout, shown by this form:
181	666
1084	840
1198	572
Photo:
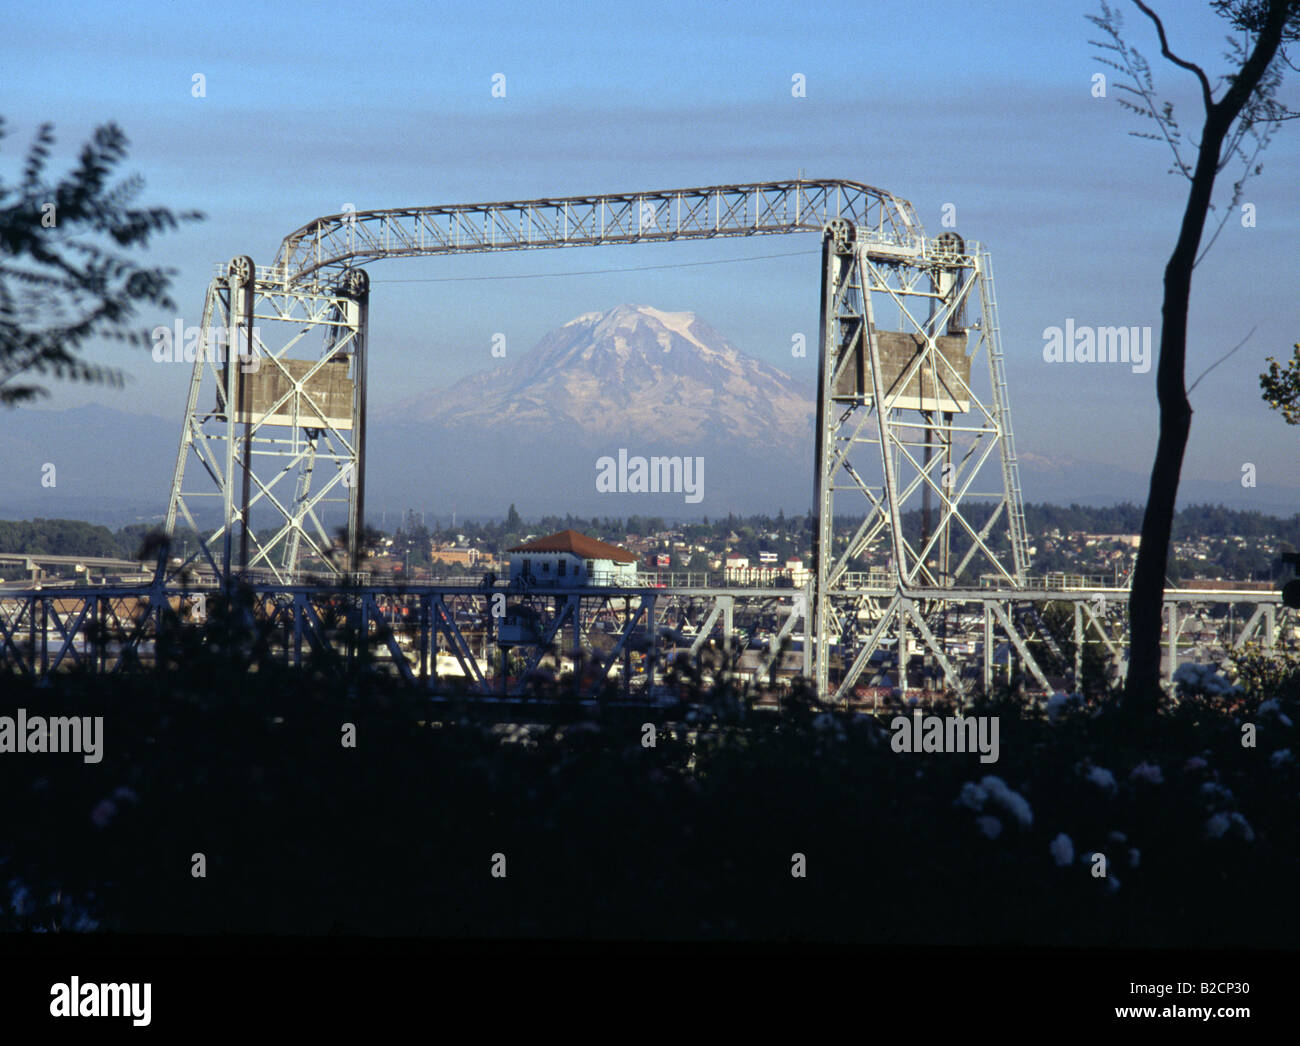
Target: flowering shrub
1203	680
605	836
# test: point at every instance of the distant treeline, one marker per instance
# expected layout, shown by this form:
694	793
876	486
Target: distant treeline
70	537
1195	521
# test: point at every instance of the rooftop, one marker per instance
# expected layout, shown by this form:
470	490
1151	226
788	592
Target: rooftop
579	545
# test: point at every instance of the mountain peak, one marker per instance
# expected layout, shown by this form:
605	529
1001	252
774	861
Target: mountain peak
656	331
627	313
631	369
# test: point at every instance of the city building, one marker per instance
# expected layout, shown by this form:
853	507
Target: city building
569	559
452	555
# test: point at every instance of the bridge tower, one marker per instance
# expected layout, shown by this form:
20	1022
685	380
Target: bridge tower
900	426
275	425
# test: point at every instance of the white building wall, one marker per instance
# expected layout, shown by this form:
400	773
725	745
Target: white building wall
545	570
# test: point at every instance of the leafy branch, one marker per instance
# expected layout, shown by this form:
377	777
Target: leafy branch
63	276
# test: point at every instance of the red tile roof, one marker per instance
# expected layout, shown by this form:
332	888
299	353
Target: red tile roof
578	544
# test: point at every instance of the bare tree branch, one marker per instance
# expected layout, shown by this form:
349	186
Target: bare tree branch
1221	359
1206	94
1231	208
1135	66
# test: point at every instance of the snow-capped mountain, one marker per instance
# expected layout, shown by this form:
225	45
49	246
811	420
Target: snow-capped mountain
629	372
534	430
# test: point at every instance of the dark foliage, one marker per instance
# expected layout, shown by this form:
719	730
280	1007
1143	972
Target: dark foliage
222	752
64	276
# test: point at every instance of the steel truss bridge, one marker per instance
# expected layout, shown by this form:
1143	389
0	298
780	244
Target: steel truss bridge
436	636
912	411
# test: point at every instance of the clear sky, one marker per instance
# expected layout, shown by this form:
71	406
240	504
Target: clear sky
989	107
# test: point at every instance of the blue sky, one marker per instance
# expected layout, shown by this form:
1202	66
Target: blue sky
989	107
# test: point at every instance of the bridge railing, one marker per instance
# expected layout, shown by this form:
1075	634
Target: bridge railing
1059	581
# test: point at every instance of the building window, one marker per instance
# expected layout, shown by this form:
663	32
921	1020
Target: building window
563	568
546	567
591	567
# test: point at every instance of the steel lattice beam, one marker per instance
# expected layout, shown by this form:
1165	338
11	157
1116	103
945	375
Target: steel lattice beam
709	212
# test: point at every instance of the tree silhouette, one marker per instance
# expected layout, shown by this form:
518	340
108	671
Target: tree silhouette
62	280
1247	110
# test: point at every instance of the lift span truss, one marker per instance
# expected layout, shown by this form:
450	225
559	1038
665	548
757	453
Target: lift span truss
755	209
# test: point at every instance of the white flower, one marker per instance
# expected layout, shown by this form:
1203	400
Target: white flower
1281	756
1145	771
1112	884
990	826
1195	763
1274	708
972	796
1216	791
1059	702
1134	856
1062	850
1103	779
1118	837
81	923
1217	826
18	897
1247	832
1014	803
1203	679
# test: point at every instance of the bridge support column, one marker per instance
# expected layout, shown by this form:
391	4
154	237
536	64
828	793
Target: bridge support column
1078	647
988	650
1171	618
837	334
